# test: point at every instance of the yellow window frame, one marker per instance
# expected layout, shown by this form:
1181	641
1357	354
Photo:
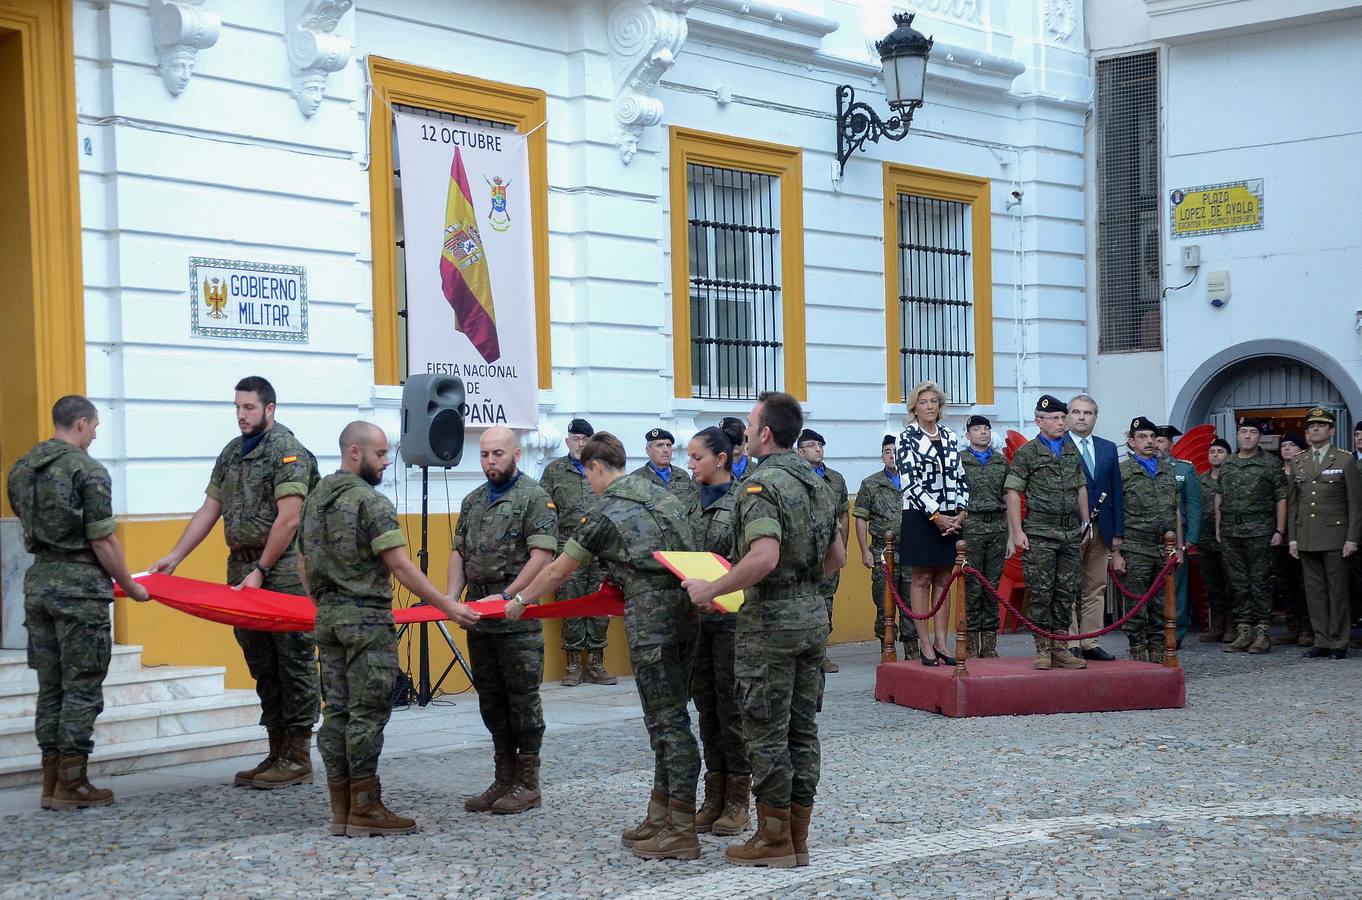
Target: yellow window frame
786	163
915	181
522	107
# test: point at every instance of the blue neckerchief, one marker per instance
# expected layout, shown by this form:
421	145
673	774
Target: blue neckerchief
577	464
893	475
1150	465
739	466
495	493
250	443
710	493
820	470
982	457
1056	446
664	474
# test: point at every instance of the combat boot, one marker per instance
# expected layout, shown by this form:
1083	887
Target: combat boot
770	846
1293	633
677	838
1063	658
573	675
737	807
1042	658
830	667
595	668
294	765
1241	643
247	777
988	645
971	647
653	822
1307	638
501	783
716	784
49	779
799	832
524	793
340	805
1138	653
910	647
1231	631
368	816
1214	628
73	789
1262	643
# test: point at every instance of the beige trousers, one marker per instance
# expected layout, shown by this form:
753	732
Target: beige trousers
1092	603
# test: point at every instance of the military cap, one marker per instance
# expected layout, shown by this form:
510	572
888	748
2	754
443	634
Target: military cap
978	420
1168	431
1048	403
1222	444
1142	423
659	434
1250	422
1357	427
1295	437
889	441
808	434
582	427
1319	414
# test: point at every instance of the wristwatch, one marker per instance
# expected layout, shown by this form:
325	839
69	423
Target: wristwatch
264	569
505	595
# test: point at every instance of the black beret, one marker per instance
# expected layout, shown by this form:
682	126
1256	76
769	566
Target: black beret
1049	403
1222	444
1296	438
978	420
889	441
582	427
1142	423
659	434
1250	422
808	434
1319	414
1357	427
1168	431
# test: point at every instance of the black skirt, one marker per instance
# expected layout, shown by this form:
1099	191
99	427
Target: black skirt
921	543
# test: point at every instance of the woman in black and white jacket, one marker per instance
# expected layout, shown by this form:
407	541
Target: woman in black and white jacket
935	497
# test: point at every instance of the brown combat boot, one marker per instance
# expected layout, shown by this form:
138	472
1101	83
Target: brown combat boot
1139	653
770	846
573	675
368	816
49	779
294	765
504	764
1063	657
737	807
246	778
1262	643
1231	630
830	667
340	805
1241	643
677	838
971	648
595	668
73	789
1214	629
716	784
988	645
1042	658
653	822
799	832
1307	638
524	793
1293	633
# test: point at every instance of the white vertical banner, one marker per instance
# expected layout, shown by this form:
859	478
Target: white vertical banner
470	264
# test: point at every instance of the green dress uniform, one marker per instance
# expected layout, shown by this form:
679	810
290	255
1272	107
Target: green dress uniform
1052	566
1212	560
985	534
345	529
249	483
567	487
677	483
1326	513
494	536
1249	488
1191	504
1151	510
828	585
879	503
63	500
621	529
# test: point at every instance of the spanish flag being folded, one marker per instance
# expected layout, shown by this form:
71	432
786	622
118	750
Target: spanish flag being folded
464	275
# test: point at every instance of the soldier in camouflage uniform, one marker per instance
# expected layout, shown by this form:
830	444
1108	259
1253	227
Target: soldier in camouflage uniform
1191	506
349	543
1288	576
1049	472
660	471
507	531
985	533
1150	489
810	447
788	538
257	487
1220	625
565	480
1250	519
878	512
632	518
65	508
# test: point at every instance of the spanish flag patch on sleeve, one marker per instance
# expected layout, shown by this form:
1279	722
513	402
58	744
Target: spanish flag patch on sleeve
582	521
754	489
289	459
551	506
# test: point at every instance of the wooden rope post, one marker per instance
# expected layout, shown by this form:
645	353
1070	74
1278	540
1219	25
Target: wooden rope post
958	598
888	607
1170	607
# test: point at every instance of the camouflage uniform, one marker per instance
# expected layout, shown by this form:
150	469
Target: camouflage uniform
1249	489
985	534
678	484
712	685
495	539
345	529
1052	566
622	529
570	492
1151	508
63	501
879	503
1212	557
827	586
783	627
1191	504
283	663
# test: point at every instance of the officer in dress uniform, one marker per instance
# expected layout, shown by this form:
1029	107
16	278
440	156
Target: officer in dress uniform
810	446
660	471
878	514
1250	519
1190	508
985	533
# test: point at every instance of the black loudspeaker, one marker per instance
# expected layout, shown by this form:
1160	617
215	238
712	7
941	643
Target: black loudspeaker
432	421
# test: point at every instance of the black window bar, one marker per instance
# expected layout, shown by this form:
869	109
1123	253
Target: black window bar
936	298
733	242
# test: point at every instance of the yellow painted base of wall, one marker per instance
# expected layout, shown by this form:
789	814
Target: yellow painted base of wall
169	637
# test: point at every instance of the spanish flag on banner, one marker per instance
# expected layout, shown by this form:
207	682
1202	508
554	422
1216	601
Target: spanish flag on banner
463	267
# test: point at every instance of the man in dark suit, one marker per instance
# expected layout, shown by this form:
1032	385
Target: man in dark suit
1102	468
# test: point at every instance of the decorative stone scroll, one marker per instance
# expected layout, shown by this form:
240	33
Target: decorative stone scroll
645	37
314	52
180	29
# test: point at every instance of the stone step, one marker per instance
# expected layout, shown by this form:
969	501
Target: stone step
14	664
130	756
147	721
145	685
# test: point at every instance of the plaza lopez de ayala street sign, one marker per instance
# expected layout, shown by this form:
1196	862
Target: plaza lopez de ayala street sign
1216	208
230	298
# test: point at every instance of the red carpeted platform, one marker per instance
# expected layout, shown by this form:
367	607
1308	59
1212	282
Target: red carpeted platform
1010	687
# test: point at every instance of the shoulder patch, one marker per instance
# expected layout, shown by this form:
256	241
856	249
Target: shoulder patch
754	489
290	458
550	505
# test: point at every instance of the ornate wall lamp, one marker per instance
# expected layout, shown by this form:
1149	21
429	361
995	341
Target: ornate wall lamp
904	53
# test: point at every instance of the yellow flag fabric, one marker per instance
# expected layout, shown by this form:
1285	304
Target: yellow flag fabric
698	564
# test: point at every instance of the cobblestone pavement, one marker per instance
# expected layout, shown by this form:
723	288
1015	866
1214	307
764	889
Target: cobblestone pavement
1253	790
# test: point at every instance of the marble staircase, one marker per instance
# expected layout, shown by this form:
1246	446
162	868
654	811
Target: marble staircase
153	716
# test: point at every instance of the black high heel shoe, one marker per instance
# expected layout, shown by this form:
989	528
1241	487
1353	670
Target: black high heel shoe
941	655
925	661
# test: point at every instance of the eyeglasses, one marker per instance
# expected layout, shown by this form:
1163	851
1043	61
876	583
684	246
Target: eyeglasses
809	445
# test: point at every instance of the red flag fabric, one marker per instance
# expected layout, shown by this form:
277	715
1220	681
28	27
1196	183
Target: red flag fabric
464	276
1194	446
